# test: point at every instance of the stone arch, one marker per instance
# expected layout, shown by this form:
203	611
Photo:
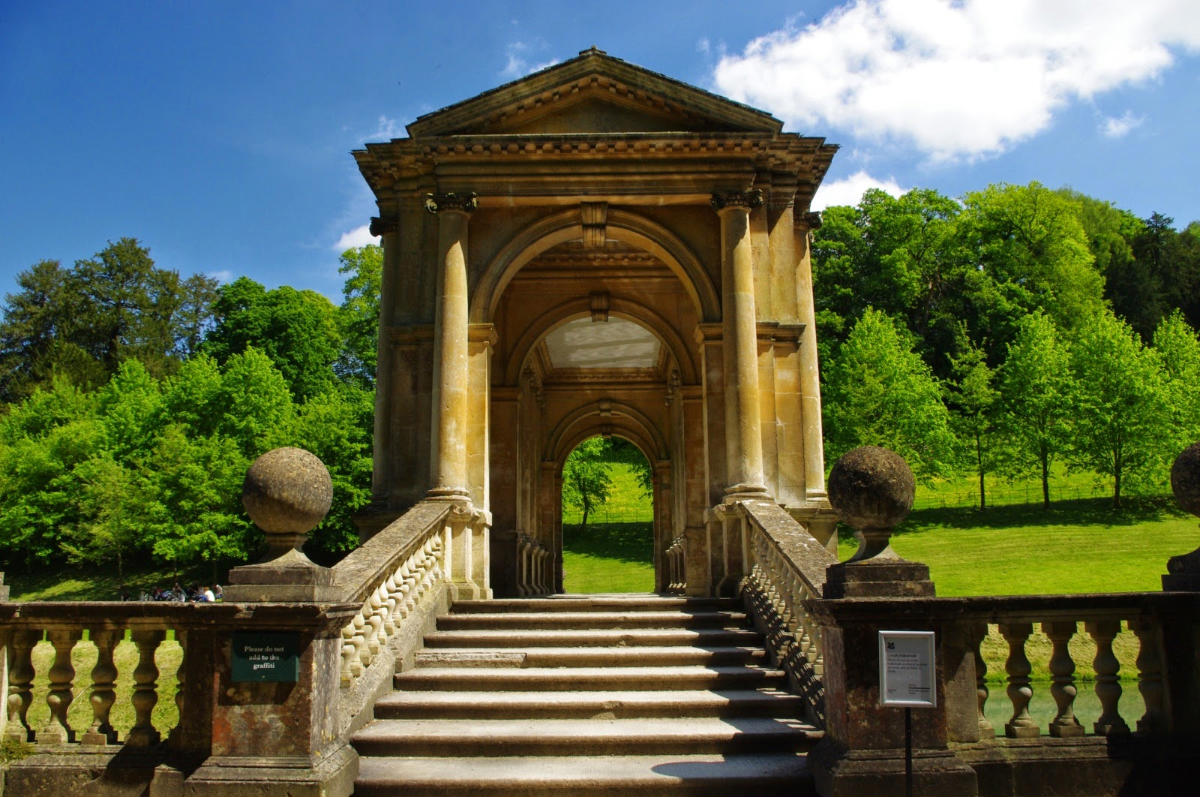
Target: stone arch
647	318
619	419
567	225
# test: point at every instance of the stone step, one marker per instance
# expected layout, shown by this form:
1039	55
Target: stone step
583	737
597	619
597	603
764	702
646	656
612	637
747	775
569	679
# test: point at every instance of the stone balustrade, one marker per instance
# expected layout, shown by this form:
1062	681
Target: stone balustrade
535	567
784	568
1097	619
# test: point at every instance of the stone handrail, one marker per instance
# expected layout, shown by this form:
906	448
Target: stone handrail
784	568
401	579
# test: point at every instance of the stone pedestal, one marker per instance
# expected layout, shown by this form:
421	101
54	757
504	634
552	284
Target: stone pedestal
876	578
291	578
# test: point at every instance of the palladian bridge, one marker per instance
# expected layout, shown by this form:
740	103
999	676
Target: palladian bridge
597	249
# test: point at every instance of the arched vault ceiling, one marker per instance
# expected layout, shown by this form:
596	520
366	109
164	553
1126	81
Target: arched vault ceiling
615	343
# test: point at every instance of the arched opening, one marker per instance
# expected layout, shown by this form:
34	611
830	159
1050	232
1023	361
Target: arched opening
607	518
590	340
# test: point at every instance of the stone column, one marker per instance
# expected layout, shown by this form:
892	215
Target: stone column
451	374
810	377
743	437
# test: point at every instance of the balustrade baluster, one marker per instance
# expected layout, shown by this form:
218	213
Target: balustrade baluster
58	699
20	684
1108	687
374	624
145	689
391	600
1149	664
1062	689
104	680
1020	691
977	632
348	653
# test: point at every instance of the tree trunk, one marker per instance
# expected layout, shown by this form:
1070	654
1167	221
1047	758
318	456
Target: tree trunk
1045	481
1117	487
979	463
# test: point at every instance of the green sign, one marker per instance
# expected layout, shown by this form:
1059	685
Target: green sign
271	656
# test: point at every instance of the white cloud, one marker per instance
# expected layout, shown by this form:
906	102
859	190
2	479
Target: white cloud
222	276
517	63
359	236
956	79
1120	126
849	190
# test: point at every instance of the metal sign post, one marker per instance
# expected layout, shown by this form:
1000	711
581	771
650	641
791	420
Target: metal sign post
908	680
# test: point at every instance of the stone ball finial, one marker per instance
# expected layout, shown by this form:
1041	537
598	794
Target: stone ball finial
1185	479
287	492
872	489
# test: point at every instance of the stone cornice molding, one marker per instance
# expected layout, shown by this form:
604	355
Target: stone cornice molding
451	202
737	200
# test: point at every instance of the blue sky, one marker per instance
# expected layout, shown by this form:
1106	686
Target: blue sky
219	133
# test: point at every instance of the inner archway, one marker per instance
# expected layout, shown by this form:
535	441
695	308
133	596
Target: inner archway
607	518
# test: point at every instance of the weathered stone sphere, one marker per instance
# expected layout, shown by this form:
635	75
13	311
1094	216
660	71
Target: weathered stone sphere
871	488
287	491
1185	479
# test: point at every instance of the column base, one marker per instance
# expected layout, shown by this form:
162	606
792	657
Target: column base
746	492
452	494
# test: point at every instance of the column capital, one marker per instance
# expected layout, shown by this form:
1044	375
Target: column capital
809	221
383	226
461	203
745	200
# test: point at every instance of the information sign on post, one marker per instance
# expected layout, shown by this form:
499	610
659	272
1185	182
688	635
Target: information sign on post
907	671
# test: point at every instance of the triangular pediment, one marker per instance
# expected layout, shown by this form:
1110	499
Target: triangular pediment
594	93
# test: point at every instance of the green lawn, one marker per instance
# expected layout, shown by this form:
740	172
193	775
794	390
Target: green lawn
1075	546
615	552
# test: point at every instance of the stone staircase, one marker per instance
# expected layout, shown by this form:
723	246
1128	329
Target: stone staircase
597	695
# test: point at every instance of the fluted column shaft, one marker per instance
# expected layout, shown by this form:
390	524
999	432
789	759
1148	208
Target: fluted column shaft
743	420
451	376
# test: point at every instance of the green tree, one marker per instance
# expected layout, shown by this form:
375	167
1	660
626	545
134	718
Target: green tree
1036	390
878	391
898	255
975	403
297	330
1029	252
1119	407
1179	352
587	477
359	314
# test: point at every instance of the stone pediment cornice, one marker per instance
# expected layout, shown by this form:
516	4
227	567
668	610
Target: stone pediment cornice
593	74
